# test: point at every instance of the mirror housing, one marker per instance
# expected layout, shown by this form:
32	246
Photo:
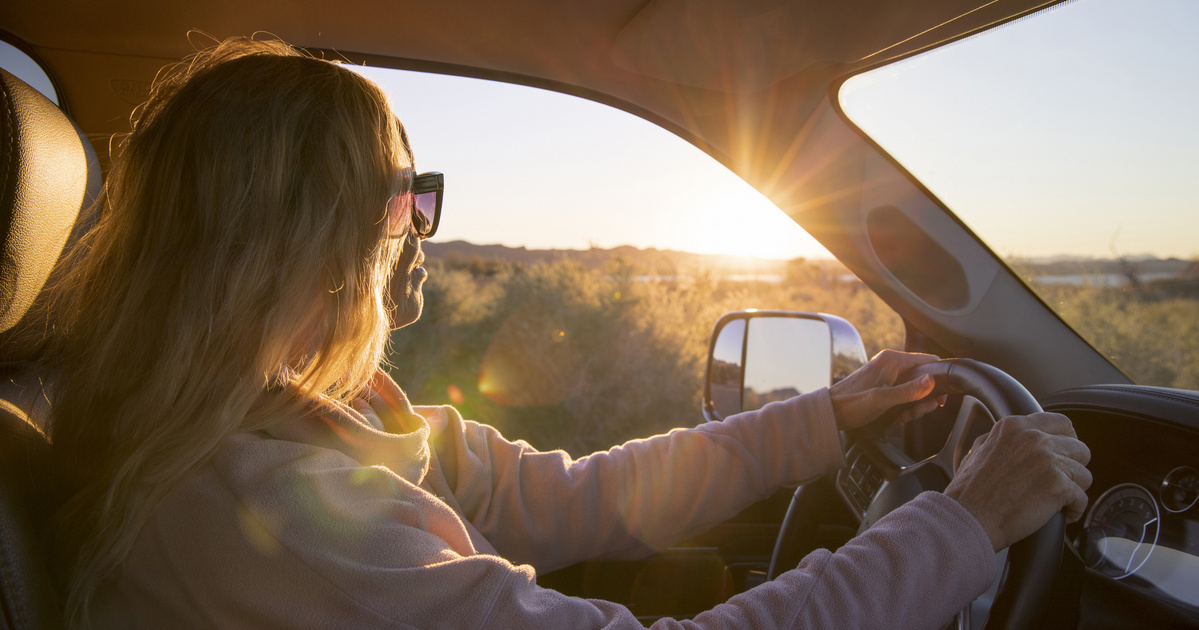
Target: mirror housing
756	357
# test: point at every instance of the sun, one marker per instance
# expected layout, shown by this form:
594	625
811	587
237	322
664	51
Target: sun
733	218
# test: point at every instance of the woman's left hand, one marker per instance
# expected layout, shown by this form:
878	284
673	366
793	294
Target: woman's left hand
863	396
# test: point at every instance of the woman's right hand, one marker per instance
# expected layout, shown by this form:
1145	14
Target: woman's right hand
1021	473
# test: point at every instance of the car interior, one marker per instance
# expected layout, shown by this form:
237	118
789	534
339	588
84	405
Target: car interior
752	84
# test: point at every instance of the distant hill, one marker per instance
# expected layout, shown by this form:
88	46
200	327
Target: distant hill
670	263
650	261
1090	266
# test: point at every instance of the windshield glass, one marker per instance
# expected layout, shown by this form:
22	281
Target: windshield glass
1068	141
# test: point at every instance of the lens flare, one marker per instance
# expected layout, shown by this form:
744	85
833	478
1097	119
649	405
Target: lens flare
455	394
532	360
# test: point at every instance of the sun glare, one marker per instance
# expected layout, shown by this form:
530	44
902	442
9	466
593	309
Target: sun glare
734	219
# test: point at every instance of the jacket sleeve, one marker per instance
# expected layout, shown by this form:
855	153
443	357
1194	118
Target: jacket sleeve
549	511
914	569
318	541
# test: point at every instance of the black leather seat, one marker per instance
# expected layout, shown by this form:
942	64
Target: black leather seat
48	173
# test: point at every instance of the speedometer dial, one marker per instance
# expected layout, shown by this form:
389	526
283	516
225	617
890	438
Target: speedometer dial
1180	489
1121	531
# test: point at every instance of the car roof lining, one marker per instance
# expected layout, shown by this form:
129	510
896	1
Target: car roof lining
744	47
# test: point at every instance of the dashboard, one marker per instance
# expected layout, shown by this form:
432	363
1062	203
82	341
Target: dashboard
1139	539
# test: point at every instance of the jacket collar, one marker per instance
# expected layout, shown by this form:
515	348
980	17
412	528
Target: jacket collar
402	447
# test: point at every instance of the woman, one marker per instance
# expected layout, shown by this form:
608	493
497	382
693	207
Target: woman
241	462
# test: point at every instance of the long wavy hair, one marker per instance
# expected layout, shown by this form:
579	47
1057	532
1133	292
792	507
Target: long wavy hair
237	270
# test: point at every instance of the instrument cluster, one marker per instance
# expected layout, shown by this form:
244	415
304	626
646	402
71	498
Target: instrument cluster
1147	536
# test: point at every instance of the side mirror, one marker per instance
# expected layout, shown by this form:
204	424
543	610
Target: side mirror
756	357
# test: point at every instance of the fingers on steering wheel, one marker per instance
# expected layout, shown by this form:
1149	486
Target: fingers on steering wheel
911	391
919	410
1077	473
893	363
1072	448
1053	423
1077	480
914	391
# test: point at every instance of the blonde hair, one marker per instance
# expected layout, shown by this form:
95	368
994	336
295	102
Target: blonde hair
237	270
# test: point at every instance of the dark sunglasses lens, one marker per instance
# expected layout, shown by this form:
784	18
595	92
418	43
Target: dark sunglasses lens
424	211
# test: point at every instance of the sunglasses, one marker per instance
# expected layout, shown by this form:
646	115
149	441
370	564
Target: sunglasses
418	210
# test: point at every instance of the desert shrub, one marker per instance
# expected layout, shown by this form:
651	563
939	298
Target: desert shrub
569	357
1154	340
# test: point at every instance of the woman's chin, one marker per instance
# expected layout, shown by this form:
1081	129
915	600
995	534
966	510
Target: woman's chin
408	307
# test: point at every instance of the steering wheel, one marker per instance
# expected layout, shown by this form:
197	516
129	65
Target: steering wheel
879	478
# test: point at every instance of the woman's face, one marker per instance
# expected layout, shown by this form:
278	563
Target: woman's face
406	281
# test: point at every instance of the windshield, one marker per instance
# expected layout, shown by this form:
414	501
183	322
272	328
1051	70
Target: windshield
1068	141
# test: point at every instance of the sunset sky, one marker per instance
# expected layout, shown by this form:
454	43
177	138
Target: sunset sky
530	167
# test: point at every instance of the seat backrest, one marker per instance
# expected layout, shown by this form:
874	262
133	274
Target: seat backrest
29	597
48	174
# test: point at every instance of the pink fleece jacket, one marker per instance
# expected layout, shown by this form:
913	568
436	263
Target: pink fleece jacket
388	516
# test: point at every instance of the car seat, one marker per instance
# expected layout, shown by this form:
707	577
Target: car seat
48	174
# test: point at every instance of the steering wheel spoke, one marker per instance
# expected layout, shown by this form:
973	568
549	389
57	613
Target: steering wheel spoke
973	420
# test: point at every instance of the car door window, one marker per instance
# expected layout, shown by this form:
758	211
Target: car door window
582	258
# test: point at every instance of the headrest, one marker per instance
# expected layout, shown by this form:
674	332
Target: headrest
48	174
